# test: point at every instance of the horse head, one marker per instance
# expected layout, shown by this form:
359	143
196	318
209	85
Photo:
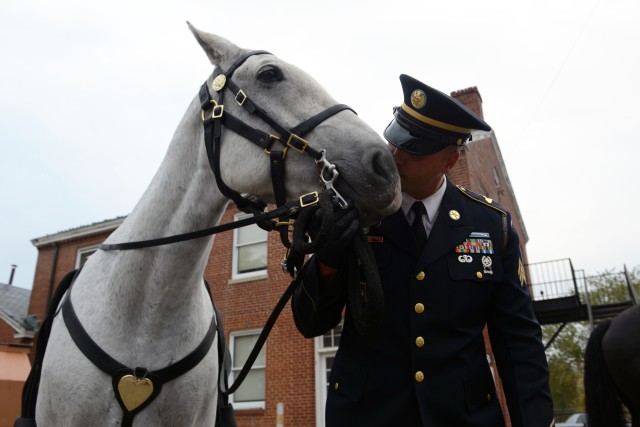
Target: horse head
367	173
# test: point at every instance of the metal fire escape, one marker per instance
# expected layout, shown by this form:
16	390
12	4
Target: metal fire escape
562	294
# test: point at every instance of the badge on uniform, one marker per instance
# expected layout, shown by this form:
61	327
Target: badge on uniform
476	243
487	262
521	273
375	239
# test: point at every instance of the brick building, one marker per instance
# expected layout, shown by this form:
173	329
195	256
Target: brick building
246	280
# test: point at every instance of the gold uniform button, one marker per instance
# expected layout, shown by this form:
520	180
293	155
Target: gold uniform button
419	376
419	342
336	386
419	308
420	276
479	275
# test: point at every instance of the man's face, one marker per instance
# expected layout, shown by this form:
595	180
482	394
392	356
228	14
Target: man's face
421	176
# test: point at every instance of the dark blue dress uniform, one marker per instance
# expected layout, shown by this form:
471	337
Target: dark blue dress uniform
427	366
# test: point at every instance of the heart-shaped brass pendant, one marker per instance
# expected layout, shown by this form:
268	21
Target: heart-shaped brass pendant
134	391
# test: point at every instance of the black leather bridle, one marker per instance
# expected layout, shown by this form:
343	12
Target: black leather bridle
288	138
214	118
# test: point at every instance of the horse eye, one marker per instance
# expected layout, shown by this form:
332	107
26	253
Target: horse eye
269	74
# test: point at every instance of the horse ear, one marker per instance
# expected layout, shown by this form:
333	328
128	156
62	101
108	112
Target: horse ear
217	48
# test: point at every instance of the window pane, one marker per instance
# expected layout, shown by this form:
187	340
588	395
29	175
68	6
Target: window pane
252	388
327	369
252	258
332	337
84	256
250	234
242	348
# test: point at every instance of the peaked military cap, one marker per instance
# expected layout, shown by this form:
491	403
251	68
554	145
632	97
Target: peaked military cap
429	120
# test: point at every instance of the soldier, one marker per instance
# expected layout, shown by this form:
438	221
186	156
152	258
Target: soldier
450	263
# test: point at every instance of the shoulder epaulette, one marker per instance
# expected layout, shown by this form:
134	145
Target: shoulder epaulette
482	199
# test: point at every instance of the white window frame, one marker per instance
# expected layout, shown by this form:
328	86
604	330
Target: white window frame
254	404
322	353
82	251
235	275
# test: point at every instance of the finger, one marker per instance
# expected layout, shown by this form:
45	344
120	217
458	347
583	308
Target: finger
350	231
346	218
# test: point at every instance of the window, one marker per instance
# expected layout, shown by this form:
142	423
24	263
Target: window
496	177
251	393
326	347
249	250
84	254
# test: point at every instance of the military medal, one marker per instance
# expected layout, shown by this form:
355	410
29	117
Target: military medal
486	263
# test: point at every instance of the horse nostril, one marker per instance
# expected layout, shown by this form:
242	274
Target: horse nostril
382	163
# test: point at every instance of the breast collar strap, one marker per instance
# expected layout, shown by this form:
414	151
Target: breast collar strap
124	378
293	138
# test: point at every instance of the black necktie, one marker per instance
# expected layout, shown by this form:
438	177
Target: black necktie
417	226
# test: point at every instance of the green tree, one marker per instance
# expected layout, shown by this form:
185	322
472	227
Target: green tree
566	353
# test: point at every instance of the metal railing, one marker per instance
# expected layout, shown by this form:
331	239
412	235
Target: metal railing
552	279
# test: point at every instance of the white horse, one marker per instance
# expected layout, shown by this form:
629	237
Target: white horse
149	307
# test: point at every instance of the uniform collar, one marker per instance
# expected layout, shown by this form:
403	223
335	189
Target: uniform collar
431	203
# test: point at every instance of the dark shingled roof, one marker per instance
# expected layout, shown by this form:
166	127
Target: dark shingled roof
14	302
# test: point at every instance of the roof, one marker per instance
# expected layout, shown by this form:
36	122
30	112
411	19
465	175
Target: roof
14	305
77	232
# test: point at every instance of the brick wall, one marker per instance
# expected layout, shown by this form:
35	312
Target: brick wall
290	373
67	250
6	333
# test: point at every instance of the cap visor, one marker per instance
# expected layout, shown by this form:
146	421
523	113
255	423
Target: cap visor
401	138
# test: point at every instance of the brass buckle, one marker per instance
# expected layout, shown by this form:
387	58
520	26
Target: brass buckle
315	200
272	137
295	145
240	97
217	111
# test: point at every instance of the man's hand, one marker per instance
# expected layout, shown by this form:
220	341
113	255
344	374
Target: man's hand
345	226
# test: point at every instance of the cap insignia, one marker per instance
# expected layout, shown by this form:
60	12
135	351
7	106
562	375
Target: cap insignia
418	99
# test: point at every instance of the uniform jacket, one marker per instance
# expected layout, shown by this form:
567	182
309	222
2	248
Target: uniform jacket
428	364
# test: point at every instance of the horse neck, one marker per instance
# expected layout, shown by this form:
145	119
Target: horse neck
182	197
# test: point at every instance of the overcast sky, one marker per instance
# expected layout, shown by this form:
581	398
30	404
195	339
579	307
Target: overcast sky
91	92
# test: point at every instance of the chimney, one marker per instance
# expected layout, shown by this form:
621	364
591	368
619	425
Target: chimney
471	98
13	271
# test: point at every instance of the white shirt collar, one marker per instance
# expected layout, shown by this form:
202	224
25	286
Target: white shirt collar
431	203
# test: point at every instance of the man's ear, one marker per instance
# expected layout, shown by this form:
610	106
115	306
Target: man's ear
452	159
